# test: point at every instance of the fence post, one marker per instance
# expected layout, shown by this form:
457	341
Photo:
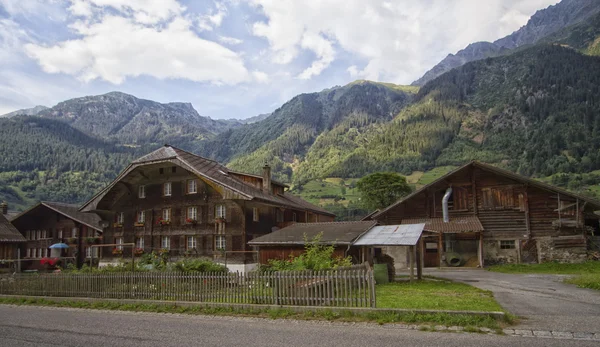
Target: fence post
372	288
276	289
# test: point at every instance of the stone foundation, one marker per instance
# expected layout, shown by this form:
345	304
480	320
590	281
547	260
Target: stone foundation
548	252
494	255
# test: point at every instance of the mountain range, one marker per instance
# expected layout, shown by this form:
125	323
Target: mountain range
529	102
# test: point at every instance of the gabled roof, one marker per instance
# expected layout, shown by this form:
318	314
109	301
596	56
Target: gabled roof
340	233
68	210
487	167
8	232
215	173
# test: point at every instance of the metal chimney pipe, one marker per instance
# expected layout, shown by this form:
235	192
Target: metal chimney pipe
445	205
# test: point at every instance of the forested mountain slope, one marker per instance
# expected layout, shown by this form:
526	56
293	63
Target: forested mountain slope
284	137
44	159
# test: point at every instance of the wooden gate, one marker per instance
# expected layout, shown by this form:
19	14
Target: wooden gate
529	254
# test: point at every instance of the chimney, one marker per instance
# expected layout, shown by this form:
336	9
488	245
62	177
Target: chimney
267	179
4	208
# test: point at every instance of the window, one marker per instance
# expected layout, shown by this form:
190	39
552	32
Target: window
507	244
28	235
60	234
119	241
139	242
74	232
120	217
220	211
142	192
192	186
39	234
141	217
220	242
278	216
161	171
43	234
166	214
91	250
167	189
28	252
165	242
174	169
192	213
192	242
255	214
294	217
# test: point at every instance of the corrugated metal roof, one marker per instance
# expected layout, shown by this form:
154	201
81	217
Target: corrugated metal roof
8	232
332	233
392	235
456	224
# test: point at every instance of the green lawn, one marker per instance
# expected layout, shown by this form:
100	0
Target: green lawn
587	274
589	267
435	295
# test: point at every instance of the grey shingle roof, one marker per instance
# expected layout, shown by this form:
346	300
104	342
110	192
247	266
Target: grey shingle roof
219	174
70	211
8	232
343	233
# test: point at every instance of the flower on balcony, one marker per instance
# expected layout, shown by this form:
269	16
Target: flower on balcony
117	225
117	251
71	240
138	224
191	221
163	221
138	252
49	261
163	252
220	220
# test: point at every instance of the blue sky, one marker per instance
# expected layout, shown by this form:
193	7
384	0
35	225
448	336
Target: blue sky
232	58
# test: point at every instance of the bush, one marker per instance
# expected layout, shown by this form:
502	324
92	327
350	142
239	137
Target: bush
315	257
199	265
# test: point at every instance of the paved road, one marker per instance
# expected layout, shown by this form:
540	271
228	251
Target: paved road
41	326
545	302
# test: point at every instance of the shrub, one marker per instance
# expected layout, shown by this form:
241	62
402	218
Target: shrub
199	265
315	257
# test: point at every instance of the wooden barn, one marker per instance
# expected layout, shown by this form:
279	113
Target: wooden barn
481	215
291	240
187	205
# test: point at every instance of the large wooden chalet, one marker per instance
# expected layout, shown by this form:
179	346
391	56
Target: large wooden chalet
479	214
173	200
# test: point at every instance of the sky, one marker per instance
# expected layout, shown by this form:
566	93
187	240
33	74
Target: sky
232	58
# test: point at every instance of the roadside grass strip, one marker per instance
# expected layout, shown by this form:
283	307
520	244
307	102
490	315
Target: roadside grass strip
586	275
435	295
468	322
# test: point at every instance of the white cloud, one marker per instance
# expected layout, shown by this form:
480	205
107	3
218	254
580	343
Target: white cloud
229	40
260	76
11	38
115	48
213	19
143	37
398	40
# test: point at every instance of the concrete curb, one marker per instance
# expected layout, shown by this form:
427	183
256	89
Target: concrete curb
496	315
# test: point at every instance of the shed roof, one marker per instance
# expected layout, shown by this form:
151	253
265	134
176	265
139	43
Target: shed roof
460	224
392	235
68	210
341	233
8	232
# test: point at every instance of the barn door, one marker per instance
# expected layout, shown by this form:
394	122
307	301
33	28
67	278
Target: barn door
529	254
431	257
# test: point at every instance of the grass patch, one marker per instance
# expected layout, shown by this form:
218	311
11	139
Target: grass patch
588	267
275	313
590	281
434	174
435	295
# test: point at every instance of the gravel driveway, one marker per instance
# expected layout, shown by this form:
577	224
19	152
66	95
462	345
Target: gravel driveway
543	301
